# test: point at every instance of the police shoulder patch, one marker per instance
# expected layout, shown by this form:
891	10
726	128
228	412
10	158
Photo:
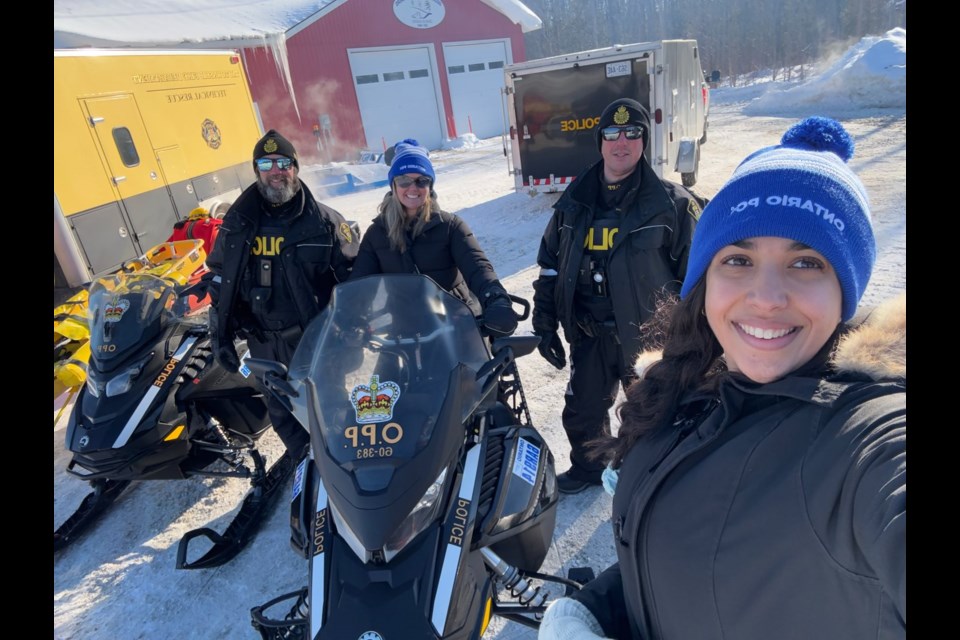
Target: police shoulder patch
346	233
693	208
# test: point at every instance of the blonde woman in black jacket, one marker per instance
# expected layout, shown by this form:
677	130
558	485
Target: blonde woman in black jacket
412	234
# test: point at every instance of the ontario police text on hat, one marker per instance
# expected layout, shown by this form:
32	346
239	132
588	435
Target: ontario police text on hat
801	189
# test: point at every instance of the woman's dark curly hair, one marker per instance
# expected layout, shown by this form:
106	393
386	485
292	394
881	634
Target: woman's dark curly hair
690	354
690	361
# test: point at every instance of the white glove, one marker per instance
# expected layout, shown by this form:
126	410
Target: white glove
567	619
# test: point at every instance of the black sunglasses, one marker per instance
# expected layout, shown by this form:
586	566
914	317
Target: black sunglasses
422	182
632	132
265	164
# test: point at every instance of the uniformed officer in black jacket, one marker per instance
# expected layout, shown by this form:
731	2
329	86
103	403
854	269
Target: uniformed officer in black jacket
277	258
618	239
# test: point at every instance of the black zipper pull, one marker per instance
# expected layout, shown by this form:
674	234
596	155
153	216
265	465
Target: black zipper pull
683	426
679	426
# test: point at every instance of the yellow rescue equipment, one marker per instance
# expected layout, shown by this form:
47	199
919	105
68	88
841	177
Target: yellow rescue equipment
180	261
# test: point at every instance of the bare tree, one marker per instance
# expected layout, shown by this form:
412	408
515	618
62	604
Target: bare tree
735	36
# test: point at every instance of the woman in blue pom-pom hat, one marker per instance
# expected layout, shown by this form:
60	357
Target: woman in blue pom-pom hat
759	475
412	234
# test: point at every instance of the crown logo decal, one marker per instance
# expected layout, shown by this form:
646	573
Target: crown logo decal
375	403
114	311
270	145
622	116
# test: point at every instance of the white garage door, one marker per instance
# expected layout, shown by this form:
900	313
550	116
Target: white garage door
475	74
397	92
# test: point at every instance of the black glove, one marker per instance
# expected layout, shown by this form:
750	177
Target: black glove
499	318
226	354
551	348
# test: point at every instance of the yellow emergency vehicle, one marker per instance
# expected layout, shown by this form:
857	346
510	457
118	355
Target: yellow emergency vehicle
141	138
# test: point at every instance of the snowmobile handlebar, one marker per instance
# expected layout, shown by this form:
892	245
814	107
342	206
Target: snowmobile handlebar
520	345
523	303
198	289
273	376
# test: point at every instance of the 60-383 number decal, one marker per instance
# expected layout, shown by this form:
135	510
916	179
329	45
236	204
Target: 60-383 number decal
373	441
374	452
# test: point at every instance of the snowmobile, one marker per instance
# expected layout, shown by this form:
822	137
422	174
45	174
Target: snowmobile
179	258
427	493
156	405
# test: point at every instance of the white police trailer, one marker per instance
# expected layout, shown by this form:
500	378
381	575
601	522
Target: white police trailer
553	106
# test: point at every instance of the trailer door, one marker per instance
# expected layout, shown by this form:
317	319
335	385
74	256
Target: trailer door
557	111
132	169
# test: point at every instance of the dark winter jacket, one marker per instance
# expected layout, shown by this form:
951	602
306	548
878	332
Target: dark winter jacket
317	252
779	513
446	250
649	253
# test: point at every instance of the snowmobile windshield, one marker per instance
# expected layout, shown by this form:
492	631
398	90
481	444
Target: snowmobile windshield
380	358
126	311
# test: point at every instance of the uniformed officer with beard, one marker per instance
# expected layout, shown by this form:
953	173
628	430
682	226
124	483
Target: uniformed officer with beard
277	258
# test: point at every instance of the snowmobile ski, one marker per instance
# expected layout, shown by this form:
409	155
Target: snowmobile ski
256	506
104	494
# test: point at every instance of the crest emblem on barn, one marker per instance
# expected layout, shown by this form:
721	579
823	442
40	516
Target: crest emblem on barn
419	14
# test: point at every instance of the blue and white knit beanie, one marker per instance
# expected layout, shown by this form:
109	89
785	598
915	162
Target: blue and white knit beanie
410	157
801	189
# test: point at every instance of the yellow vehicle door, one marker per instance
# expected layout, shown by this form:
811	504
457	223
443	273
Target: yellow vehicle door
132	168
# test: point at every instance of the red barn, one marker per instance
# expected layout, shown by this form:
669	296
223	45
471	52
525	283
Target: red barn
367	73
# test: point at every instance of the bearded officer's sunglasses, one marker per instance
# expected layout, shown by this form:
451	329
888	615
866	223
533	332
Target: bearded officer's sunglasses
422	182
265	164
632	132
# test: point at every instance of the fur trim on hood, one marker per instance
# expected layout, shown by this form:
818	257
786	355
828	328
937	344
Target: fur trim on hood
645	359
877	347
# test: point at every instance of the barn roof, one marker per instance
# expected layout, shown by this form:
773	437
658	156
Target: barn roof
207	23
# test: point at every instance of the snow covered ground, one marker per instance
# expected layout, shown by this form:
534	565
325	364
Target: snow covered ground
119	580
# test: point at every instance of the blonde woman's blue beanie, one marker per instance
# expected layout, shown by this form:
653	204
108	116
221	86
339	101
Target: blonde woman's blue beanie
411	157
